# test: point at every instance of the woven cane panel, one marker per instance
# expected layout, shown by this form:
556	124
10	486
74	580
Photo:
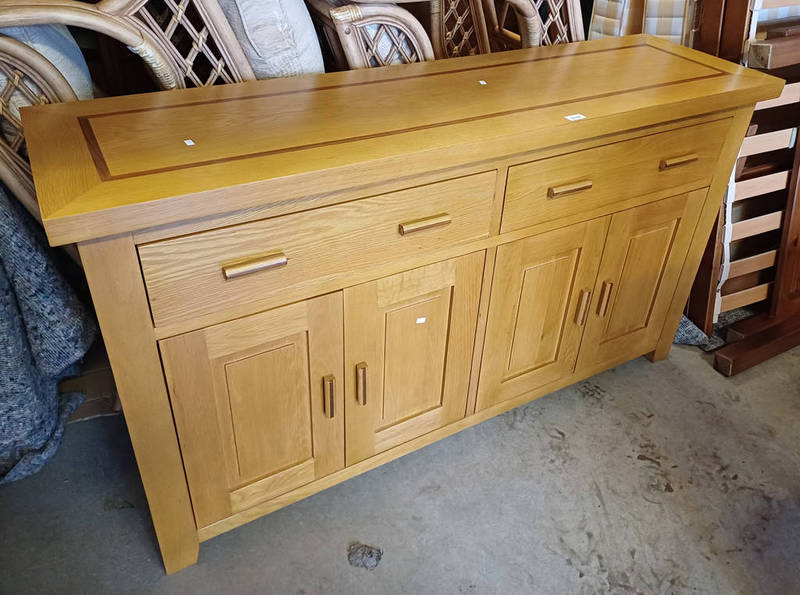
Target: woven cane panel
386	44
459	33
182	30
555	20
20	89
554	17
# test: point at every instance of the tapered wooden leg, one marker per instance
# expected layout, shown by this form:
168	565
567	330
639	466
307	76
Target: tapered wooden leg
115	280
708	215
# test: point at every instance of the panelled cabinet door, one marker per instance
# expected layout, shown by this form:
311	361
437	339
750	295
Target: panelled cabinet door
408	342
643	257
258	404
539	303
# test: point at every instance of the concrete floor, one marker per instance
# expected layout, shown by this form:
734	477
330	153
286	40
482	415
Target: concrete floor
663	478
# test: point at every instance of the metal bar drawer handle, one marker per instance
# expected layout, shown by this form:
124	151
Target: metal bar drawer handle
426	223
273	260
361	383
328	395
677	161
559	191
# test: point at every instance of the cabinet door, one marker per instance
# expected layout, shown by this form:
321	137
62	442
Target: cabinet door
258	404
643	257
409	341
539	302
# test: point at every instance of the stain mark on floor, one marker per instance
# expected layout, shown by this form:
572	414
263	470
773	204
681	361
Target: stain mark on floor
117	503
361	555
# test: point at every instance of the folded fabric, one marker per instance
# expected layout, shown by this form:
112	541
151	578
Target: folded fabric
44	331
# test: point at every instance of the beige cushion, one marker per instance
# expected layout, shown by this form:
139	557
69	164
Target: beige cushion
277	36
55	43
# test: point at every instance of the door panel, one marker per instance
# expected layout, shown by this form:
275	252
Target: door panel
646	255
270	433
416	342
539	302
409	341
643	257
250	405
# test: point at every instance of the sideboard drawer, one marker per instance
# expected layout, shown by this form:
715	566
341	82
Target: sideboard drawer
594	178
199	274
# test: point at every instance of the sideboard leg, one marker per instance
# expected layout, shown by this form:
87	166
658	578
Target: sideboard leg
115	281
719	182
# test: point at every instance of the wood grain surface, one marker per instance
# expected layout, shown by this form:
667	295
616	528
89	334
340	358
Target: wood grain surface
291	139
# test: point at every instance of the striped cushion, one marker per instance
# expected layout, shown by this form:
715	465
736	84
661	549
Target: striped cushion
610	18
665	19
771	14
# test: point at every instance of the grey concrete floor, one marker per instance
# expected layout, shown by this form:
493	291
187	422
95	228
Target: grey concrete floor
664	478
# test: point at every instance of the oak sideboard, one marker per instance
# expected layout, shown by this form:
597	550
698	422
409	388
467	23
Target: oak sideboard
298	280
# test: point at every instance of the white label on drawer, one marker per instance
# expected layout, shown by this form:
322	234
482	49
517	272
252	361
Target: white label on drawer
482	83
575	117
188	142
421	320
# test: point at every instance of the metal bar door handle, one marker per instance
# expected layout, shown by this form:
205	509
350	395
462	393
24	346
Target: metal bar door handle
329	395
583	307
361	383
605	298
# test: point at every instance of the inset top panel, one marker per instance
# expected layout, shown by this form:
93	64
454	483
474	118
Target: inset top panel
122	164
156	139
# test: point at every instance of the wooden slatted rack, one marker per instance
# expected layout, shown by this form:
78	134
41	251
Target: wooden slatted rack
759	199
763	270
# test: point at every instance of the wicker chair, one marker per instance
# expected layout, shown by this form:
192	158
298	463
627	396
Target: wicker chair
369	34
184	42
38	81
535	22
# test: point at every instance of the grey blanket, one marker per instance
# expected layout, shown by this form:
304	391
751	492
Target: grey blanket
44	331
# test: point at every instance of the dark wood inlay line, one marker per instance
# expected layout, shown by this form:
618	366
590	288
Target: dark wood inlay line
693	60
94	149
400	78
105	174
381	81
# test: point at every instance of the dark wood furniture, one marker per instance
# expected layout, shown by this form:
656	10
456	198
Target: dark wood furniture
764	265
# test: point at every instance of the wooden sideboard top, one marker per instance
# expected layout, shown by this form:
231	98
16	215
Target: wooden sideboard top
120	164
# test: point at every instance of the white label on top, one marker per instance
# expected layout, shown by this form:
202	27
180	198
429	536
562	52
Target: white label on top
575	117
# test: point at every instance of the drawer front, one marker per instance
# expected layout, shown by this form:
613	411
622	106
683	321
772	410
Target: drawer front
596	179
207	272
